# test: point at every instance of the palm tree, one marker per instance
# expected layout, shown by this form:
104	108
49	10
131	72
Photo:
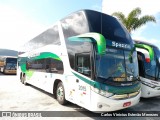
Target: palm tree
133	21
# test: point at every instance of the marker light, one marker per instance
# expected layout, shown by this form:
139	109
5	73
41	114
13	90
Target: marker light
147	60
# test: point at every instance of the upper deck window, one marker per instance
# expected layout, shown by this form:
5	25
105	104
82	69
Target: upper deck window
50	36
108	26
74	24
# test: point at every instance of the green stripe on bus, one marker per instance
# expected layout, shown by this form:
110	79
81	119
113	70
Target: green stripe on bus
42	55
112	89
47	55
29	73
23	68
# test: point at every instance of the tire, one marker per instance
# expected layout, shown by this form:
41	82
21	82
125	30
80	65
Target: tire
21	77
60	94
4	71
24	79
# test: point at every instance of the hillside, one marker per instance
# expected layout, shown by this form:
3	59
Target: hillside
7	52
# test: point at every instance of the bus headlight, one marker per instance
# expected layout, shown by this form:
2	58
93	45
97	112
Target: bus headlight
102	92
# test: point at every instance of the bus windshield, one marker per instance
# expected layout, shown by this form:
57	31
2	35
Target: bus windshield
158	61
11	60
157	52
151	69
109	27
11	63
116	65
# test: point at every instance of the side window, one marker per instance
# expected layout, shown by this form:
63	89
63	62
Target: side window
146	69
37	65
74	24
55	66
48	65
83	64
158	72
50	36
141	64
53	35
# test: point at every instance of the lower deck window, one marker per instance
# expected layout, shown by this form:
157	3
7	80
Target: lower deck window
46	65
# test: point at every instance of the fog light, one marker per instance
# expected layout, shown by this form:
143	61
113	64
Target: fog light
100	106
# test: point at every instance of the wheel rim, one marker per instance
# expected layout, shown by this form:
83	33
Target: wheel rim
60	94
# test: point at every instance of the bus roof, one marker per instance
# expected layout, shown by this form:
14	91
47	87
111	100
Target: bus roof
144	42
94	21
85	11
81	22
8	56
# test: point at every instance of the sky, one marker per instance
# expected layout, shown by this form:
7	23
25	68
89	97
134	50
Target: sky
22	20
150	32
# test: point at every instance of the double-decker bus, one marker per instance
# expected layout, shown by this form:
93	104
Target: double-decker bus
149	68
87	58
8	65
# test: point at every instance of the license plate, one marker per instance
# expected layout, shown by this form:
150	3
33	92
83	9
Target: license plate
126	104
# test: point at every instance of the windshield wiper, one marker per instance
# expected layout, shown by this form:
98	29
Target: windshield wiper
103	79
109	79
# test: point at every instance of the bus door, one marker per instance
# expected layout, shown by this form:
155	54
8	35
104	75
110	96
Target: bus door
83	67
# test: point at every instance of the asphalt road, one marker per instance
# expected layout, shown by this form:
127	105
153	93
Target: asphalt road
15	96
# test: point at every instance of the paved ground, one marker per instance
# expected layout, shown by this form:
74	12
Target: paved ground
15	96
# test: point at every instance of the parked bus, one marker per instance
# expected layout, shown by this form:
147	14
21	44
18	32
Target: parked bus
8	65
87	58
149	68
1	62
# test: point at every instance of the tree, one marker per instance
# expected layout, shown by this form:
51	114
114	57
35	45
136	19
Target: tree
133	21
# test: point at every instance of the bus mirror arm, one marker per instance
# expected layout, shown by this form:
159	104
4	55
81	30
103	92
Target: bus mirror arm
148	48
94	37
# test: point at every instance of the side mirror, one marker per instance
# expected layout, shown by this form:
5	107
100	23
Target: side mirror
92	37
149	55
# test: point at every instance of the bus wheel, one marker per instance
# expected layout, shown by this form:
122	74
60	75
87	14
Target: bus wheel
4	72
21	77
61	94
24	79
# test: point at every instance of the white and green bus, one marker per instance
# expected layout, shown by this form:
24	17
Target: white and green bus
149	68
87	58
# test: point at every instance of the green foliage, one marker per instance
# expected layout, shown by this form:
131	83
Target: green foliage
133	21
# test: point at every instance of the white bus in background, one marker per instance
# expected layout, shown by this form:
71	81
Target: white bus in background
149	68
87	58
8	64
